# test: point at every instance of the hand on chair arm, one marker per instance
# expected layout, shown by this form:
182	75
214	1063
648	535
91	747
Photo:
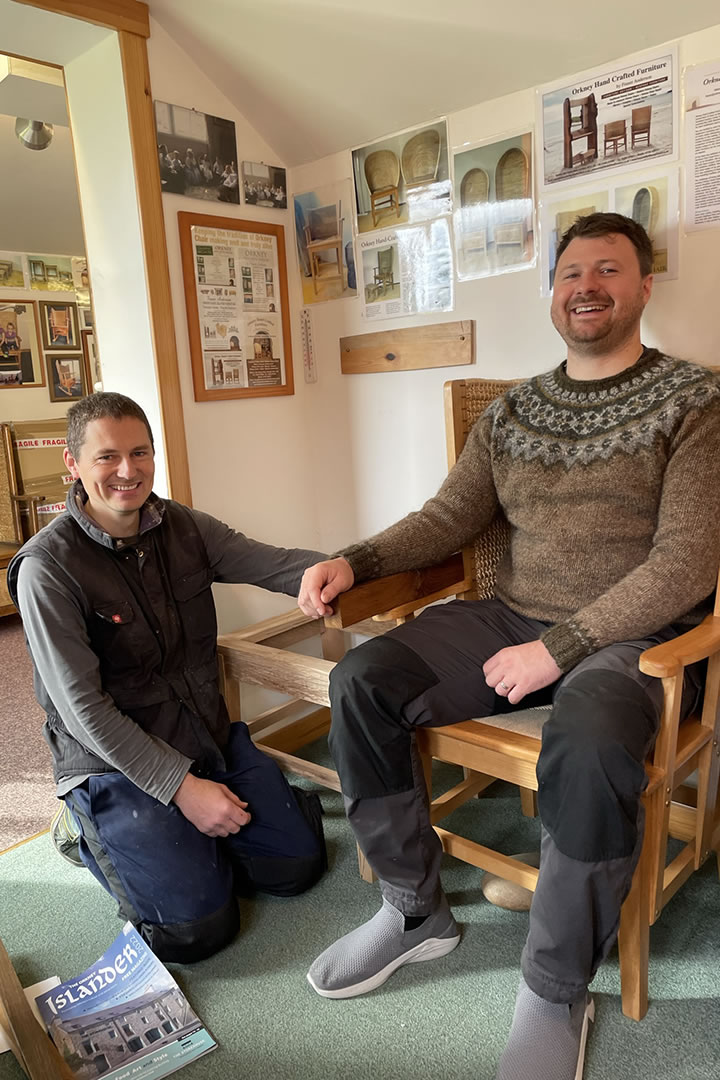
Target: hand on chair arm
212	808
320	585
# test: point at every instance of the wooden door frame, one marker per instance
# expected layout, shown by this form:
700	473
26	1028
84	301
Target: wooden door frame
130	19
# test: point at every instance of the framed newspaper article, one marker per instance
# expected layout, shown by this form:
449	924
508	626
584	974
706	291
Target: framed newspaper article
236	297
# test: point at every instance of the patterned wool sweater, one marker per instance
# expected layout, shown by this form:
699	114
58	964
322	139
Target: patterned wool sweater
612	492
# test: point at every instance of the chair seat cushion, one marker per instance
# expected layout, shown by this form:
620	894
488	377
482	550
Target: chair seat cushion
522	721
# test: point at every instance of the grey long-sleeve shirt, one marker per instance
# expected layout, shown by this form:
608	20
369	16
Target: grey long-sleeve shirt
69	668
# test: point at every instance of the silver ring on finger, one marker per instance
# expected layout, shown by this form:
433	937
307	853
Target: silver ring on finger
504	685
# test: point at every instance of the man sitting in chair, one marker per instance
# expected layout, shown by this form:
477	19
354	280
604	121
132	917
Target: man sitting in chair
607	471
178	810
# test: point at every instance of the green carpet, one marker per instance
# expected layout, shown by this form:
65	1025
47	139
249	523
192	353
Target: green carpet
445	1020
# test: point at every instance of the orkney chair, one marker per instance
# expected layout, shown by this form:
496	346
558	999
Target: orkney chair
506	747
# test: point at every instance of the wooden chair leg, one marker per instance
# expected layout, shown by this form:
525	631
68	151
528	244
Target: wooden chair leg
366	870
528	802
634	942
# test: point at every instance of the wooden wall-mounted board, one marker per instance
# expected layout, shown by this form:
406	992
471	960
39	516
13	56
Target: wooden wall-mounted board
448	344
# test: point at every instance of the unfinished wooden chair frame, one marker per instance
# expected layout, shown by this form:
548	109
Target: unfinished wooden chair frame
483	748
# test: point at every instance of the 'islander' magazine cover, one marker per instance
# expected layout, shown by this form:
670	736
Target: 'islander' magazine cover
124	1017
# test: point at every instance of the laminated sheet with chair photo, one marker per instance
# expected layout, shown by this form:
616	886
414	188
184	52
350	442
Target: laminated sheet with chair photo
507	746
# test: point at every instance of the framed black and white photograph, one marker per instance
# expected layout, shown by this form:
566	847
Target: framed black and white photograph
59	324
264	185
197	154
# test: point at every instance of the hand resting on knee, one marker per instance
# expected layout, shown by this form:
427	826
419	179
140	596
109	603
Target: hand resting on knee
211	807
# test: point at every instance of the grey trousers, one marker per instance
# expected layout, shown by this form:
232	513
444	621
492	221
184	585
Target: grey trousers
590	772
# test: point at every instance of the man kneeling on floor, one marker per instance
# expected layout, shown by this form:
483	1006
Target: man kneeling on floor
179	811
607	471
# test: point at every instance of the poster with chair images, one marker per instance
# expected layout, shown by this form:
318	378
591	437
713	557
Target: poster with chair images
407	271
403	179
493	214
650	198
608	120
324	243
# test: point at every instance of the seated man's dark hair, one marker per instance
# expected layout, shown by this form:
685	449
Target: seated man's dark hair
97	407
604	225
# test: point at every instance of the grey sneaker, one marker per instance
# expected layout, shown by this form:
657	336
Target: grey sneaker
365	958
547	1041
65	835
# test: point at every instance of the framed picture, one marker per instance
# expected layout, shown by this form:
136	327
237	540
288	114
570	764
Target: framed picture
20	357
93	374
87	321
66	376
240	342
264	185
197	154
59	324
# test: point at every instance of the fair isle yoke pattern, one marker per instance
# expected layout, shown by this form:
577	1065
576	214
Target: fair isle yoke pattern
555	420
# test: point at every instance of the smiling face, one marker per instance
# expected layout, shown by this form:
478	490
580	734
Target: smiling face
116	465
599	295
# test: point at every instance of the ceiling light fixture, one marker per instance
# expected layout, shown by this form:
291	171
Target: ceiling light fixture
34	134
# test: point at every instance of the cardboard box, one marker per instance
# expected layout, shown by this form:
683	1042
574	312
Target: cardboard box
54	504
38	446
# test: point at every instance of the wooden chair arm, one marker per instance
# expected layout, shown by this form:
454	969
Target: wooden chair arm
413	587
291	673
664	661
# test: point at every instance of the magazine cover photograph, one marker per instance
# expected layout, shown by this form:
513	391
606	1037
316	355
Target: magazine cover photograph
403	178
493	216
125	1016
324	241
608	119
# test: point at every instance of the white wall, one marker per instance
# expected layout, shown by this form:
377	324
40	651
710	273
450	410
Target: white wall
378	440
250	461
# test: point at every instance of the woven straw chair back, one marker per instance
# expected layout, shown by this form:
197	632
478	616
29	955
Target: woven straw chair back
420	157
475	187
512	175
466	400
645	209
382	170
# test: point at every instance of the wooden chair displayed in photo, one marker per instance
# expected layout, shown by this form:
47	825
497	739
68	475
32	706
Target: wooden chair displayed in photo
420	159
512	184
382	173
614	134
640	126
383	273
59	319
324	233
507	746
474	194
579	123
11	537
646	208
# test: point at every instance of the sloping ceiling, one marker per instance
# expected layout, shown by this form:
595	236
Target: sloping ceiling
317	76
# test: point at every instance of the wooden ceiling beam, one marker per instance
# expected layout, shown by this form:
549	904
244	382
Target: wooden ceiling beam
130	16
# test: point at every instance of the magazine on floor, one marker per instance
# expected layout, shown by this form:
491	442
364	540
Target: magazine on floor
124	1017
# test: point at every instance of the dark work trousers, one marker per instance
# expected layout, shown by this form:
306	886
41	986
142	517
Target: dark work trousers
178	885
591	773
